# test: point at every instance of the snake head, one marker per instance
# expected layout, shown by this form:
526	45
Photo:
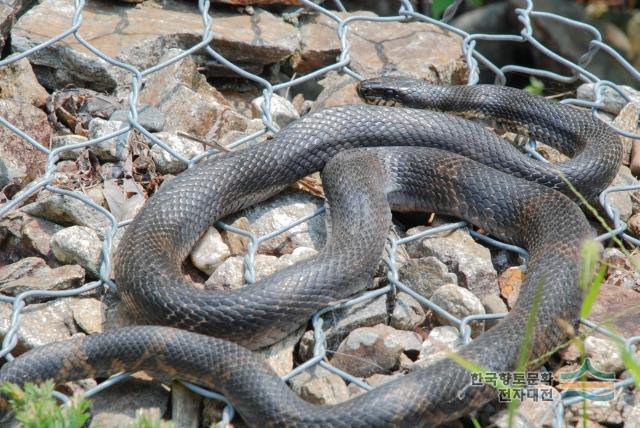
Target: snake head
390	91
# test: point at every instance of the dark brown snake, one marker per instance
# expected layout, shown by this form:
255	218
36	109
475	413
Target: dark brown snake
413	175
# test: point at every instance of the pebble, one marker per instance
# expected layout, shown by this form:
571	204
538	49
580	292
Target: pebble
111	150
425	275
88	313
370	350
407	314
165	161
65	211
440	340
320	386
210	251
460	303
78	245
282	111
470	261
149	117
60	278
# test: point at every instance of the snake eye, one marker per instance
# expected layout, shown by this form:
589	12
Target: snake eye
389	93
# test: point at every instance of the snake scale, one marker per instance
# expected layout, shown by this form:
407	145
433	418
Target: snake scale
372	158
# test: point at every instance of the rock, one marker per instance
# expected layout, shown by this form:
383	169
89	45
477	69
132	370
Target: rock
612	100
114	149
535	411
149	117
61	278
282	111
37	233
407	313
88	313
66	140
460	303
17	81
40	323
165	161
376	49
9	9
189	104
230	273
278	212
259	39
622	200
470	261
370	350
570	45
439	341
320	386
297	255
510	282
605	412
604	354
117	406
339	89
425	275
20	162
28	266
280	355
338	323
627	121
622	302
493	305
380	379
78	245
210	251
622	270
65	211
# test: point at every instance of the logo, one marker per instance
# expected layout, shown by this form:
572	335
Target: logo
587	382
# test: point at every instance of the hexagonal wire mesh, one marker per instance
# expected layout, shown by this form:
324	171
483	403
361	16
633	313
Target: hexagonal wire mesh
405	13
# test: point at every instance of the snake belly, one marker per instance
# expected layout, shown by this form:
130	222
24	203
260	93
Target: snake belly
525	213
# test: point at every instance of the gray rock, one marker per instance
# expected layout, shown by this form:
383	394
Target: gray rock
281	211
37	233
531	412
425	275
493	305
188	103
60	278
88	313
149	117
338	323
210	251
18	81
370	350
280	355
604	354
111	150
40	323
622	200
78	245
377	48
439	341
460	303
165	161
65	210
470	261
67	140
320	386
28	266
407	313
612	100
259	39
230	273
20	162
297	255
282	111
117	406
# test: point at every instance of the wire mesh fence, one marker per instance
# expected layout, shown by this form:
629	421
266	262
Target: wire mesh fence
474	59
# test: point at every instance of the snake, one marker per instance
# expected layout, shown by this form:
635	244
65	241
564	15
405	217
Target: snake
411	147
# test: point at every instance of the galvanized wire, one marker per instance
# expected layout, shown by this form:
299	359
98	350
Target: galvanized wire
406	12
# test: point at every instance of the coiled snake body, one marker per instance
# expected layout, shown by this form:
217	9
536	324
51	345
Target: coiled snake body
413	175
